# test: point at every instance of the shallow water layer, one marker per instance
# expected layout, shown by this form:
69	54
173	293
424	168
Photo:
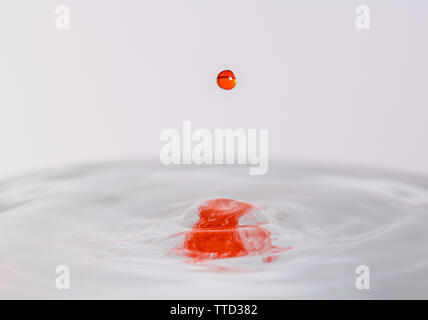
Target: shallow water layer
113	226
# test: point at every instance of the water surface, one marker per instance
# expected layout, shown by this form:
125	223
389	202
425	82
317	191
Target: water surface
111	224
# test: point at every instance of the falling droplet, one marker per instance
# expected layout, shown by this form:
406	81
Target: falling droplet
226	80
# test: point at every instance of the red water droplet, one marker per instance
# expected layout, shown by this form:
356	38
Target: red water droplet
217	233
226	80
270	259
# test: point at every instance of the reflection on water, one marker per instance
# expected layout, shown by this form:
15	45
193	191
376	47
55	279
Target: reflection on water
114	225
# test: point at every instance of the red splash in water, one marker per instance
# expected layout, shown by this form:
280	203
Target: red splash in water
217	234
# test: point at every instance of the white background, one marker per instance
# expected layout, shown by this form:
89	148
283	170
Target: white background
126	70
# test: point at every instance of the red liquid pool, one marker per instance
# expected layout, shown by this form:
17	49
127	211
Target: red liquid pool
218	233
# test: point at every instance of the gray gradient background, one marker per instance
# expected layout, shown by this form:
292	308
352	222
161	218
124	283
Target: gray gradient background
128	69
